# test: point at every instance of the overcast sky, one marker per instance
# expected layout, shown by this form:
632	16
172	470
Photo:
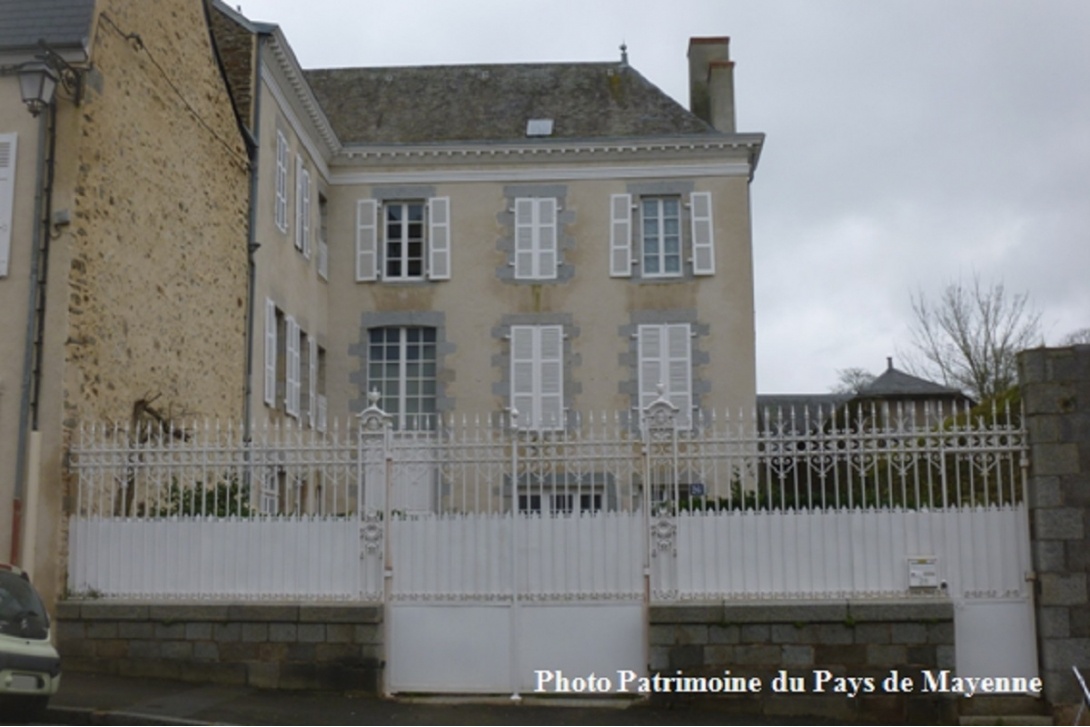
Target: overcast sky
909	143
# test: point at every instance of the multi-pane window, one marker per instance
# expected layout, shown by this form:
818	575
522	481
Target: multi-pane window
404	234
663	236
660	233
403	240
401	366
557	502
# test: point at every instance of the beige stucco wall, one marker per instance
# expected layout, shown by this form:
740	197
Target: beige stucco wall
14	292
284	274
475	300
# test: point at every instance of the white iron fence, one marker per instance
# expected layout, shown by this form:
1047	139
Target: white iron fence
788	504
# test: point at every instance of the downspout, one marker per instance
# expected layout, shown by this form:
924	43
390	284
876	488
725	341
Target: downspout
29	404
253	138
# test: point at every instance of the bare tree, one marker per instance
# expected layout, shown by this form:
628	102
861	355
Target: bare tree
851	380
1076	337
969	337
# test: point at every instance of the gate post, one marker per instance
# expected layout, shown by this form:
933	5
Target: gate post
374	439
661	496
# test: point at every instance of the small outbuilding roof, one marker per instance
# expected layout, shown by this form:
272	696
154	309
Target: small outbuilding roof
896	383
496	102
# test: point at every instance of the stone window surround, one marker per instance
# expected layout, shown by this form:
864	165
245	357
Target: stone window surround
571	360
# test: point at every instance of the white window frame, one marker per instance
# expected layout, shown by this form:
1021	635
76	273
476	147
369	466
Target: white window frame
536	254
627	249
660	237
280	206
372	241
398	404
537	376
7	198
664	357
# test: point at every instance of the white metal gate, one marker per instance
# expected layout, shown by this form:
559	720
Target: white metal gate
487	541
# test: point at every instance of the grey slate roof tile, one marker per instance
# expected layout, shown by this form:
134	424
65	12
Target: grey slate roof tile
494	102
62	23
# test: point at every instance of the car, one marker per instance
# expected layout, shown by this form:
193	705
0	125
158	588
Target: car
30	667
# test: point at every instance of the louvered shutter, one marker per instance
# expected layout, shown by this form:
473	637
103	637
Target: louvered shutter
620	235
299	213
366	240
270	352
546	229
439	238
700	208
306	214
525	247
291	402
522	375
280	207
665	358
550	358
7	199
312	382
679	370
650	361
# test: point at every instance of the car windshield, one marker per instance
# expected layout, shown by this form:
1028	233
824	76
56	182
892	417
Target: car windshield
21	611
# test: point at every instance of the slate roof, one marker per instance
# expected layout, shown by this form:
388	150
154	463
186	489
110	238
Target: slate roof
62	23
494	102
894	382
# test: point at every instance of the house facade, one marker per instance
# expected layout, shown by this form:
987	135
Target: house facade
123	227
547	238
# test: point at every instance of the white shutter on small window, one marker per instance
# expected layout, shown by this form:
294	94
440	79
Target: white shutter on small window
312	381
525	247
306	214
439	238
291	398
366	240
270	352
299	221
7	199
700	209
547	253
620	235
280	206
522	375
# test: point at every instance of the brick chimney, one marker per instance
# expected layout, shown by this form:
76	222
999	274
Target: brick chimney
711	82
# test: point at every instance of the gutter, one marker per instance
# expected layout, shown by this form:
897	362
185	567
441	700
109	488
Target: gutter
253	141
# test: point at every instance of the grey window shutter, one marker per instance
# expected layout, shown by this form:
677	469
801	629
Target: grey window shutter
700	217
620	235
366	240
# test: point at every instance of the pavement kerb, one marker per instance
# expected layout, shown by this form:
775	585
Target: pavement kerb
82	716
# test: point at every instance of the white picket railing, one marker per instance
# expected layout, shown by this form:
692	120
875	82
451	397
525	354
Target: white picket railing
805	504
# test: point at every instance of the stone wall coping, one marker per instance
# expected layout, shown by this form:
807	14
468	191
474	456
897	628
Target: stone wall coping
806	611
111	610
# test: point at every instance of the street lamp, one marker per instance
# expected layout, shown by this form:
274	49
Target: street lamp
38	79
